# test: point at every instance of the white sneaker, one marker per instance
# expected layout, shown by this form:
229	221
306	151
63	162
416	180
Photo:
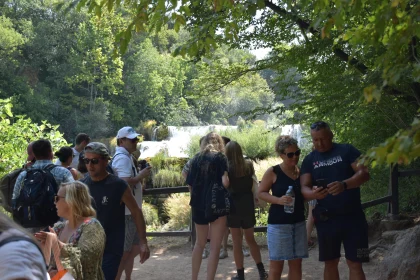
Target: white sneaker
206	251
223	254
245	252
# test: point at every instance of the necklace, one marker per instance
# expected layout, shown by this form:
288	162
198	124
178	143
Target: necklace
294	174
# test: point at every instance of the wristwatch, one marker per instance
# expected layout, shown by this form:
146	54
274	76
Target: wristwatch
344	185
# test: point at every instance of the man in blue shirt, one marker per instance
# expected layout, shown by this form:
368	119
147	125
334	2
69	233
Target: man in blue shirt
339	218
43	153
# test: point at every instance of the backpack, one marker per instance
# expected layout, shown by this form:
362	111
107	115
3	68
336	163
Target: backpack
7	183
34	206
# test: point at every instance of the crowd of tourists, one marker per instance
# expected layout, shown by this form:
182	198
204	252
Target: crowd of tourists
81	217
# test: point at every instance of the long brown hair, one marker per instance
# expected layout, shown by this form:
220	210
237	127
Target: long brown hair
238	166
212	142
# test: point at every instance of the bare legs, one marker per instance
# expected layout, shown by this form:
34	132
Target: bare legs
127	262
309	223
295	269
217	229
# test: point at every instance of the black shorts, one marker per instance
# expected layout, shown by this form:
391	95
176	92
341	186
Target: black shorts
351	230
199	217
241	221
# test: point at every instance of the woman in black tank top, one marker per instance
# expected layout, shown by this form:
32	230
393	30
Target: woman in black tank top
286	231
243	218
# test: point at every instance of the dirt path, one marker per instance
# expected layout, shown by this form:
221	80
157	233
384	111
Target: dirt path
172	260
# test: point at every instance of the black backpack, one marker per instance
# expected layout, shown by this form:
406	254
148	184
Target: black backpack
7	183
34	206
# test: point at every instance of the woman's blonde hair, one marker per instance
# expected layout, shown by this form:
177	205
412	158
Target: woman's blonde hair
238	166
79	199
212	142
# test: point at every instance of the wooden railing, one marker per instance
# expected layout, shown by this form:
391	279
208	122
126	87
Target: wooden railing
392	199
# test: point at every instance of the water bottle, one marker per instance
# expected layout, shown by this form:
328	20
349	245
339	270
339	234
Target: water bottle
291	207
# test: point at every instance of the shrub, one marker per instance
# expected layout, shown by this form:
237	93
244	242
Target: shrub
168	178
146	129
150	213
178	209
260	166
256	141
16	132
193	146
161	132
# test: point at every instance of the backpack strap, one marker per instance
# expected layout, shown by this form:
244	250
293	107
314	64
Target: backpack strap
49	167
22	238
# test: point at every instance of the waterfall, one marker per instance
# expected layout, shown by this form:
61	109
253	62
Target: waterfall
180	136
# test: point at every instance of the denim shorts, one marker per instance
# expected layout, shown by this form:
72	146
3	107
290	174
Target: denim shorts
287	241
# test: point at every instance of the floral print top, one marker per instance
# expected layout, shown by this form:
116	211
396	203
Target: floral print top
82	255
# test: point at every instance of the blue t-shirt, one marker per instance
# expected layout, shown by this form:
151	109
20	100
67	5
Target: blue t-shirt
335	165
110	210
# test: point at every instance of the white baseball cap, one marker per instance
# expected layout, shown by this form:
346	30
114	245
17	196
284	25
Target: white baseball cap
127	132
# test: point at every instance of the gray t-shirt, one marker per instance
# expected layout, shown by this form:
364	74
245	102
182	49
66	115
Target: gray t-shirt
22	260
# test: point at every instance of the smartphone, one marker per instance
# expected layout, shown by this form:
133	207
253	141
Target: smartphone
321	183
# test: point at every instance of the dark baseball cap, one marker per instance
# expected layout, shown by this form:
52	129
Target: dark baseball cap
97	148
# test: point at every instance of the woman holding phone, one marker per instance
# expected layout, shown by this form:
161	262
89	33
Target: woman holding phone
286	232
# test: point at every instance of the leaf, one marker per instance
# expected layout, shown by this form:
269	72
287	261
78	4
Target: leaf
395	3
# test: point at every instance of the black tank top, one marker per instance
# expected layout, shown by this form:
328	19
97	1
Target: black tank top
276	214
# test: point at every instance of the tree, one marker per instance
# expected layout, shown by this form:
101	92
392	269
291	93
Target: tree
16	132
377	43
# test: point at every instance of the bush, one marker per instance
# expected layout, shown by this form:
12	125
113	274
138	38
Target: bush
17	132
256	141
161	133
168	178
146	129
150	213
193	146
178	209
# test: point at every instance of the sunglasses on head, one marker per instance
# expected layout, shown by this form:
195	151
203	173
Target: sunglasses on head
93	160
290	155
57	198
319	125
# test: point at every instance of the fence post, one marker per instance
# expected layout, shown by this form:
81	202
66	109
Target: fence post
395	209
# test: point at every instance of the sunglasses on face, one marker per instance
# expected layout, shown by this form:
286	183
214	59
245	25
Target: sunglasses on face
319	125
290	155
57	198
134	140
89	160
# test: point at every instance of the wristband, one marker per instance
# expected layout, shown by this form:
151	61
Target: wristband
344	185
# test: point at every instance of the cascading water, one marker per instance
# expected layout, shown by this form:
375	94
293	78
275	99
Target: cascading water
180	136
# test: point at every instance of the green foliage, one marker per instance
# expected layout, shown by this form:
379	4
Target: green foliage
256	141
168	178
328	54
162	132
150	214
17	132
193	146
166	171
177	207
146	129
402	148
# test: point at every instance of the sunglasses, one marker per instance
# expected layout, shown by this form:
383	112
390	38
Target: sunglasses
134	140
93	160
319	125
57	198
290	155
